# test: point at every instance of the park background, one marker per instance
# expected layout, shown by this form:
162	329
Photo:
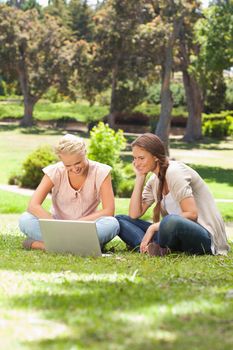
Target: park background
157	66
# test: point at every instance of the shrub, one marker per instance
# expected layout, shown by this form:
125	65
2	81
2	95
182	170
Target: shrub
127	184
133	118
218	128
126	188
105	147
53	95
32	167
178	94
229	95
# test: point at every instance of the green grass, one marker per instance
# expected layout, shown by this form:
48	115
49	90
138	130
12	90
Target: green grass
127	301
17	143
52	111
81	111
12	203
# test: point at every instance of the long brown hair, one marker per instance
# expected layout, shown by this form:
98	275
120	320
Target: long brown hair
152	144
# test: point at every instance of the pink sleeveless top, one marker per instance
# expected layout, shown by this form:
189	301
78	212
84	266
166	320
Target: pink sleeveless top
71	204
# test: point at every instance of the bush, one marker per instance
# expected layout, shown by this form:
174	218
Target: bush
127	184
53	95
178	94
32	167
229	95
126	188
105	147
133	118
218	128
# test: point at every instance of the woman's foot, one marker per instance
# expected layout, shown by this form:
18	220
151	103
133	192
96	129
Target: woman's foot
33	244
154	249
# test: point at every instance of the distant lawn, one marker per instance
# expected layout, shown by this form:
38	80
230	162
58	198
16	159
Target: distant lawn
52	111
80	110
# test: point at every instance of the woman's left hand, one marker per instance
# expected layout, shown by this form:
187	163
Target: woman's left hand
148	237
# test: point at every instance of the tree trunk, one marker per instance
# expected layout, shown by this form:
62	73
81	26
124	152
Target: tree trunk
193	96
29	100
164	124
28	112
111	116
195	106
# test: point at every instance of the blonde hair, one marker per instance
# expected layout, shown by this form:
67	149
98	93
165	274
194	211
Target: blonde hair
70	144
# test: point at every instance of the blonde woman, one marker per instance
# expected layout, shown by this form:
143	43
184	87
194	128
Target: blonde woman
77	185
191	221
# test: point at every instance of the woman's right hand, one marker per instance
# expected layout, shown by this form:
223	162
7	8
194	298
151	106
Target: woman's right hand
137	172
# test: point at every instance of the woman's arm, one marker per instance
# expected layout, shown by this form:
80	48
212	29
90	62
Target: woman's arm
136	206
38	197
107	200
189	208
151	231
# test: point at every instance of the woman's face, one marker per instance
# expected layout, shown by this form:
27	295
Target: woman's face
144	161
75	163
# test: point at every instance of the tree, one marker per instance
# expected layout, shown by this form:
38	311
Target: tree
187	48
81	22
167	19
59	10
36	50
214	34
117	58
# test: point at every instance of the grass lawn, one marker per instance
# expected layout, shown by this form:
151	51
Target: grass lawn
50	111
12	203
125	301
81	111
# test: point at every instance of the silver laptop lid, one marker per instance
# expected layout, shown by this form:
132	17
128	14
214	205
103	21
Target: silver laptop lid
67	236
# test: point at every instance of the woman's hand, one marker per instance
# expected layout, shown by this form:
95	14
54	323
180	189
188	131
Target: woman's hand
152	229
137	172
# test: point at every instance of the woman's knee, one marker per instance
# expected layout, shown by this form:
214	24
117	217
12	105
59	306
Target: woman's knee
29	225
122	217
169	223
25	220
108	223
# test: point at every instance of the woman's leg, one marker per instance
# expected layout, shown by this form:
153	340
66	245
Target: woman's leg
29	225
132	231
180	234
107	228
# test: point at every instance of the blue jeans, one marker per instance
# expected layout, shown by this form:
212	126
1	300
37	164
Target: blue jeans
175	232
107	227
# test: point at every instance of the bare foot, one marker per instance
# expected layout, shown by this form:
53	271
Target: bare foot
38	245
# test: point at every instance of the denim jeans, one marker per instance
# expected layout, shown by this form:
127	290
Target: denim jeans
175	232
107	227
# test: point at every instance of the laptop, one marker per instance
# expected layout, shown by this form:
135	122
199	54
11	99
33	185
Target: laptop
67	236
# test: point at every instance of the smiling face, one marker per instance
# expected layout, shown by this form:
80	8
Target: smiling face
144	161
75	163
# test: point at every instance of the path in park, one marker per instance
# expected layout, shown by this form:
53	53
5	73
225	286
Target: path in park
13	218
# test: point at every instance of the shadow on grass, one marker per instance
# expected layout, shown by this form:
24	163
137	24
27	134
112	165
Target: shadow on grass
9	127
208	173
130	315
216	174
35	130
205	144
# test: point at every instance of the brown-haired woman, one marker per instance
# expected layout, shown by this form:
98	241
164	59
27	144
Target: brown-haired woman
191	222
